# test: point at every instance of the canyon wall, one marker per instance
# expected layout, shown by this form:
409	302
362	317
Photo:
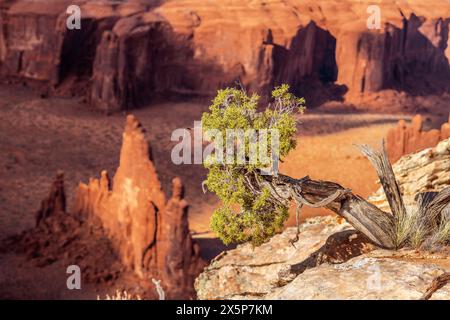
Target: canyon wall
127	53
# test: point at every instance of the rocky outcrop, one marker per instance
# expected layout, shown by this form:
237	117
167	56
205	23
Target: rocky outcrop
407	54
426	170
60	236
377	275
330	261
253	272
142	57
149	232
55	202
403	139
36	44
128	53
125	228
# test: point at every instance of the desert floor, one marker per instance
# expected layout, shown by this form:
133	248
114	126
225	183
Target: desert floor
40	136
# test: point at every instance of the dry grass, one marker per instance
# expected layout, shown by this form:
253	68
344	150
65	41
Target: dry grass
442	234
121	295
422	229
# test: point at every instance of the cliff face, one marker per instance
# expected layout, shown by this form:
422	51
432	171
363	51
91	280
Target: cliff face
134	50
30	42
36	44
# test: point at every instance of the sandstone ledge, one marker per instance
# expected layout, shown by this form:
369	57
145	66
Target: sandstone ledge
330	261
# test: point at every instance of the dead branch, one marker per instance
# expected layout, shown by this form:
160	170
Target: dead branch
437	284
439	202
380	161
379	226
374	223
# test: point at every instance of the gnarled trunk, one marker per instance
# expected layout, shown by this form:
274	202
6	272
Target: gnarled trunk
379	226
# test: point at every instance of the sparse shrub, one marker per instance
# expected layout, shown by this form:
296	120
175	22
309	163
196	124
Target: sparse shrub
244	215
420	228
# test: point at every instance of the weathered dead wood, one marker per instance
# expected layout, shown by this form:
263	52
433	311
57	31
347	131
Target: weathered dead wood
380	161
435	207
380	227
437	283
374	223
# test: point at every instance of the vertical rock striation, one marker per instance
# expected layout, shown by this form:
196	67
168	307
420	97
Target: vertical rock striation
127	53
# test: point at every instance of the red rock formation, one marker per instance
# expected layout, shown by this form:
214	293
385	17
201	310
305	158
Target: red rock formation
55	202
124	226
66	238
136	50
149	232
405	139
35	43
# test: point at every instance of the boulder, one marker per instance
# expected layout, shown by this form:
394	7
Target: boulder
378	275
252	272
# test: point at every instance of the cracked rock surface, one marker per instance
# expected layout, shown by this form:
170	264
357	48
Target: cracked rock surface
247	272
330	261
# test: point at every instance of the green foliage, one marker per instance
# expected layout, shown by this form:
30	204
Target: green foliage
246	216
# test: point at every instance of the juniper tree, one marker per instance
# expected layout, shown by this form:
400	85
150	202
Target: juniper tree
248	214
255	206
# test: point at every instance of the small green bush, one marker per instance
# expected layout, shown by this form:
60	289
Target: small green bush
246	216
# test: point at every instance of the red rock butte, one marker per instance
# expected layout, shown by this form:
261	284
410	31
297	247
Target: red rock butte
125	54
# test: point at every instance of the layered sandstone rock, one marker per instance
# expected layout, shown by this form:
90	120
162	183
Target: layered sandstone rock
426	170
149	232
252	272
142	57
330	261
403	139
138	49
377	275
36	44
